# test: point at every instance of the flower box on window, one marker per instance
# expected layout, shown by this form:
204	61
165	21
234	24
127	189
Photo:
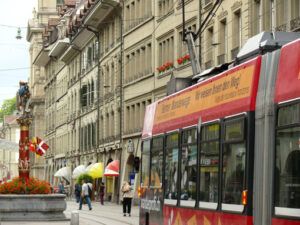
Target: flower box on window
183	59
165	67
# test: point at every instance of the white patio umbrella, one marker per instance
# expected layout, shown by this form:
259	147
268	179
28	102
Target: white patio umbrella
78	171
64	172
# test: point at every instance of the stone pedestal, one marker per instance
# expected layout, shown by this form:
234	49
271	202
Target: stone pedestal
33	207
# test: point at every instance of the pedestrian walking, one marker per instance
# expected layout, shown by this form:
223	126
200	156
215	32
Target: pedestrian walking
101	192
61	188
127	197
85	195
77	192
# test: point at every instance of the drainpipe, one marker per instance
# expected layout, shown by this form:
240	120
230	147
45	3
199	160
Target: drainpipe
121	105
80	133
200	39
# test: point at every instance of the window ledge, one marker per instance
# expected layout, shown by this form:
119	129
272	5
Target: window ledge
165	16
109	52
139	79
137	26
183	66
164	74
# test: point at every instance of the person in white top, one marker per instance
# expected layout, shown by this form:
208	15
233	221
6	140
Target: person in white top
85	194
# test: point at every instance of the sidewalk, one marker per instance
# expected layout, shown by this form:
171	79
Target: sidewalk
108	214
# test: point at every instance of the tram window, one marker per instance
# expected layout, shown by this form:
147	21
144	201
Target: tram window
234	131
189	165
156	161
171	166
288	115
287	170
145	163
234	159
209	163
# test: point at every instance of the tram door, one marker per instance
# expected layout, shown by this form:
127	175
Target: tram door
156	191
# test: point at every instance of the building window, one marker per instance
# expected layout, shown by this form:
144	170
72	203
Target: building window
166	50
137	12
222	42
209	48
84	95
59	3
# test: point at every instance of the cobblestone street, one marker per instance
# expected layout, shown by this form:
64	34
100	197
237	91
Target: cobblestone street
108	214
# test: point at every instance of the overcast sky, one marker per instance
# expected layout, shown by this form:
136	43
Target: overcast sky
13	53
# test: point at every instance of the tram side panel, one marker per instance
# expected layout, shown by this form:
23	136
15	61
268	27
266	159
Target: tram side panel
264	140
212	105
286	202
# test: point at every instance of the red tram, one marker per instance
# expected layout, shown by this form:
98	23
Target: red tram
226	151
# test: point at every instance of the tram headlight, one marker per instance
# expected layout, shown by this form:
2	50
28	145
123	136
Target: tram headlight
245	193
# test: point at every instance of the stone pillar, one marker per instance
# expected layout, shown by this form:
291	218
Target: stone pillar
24	161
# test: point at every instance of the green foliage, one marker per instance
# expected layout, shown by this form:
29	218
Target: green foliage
7	108
87	178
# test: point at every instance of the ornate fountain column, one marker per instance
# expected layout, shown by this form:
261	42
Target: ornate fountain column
24	160
23	97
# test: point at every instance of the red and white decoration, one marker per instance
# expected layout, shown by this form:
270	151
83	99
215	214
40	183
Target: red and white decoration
112	169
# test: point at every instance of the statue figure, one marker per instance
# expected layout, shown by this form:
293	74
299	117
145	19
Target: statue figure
23	98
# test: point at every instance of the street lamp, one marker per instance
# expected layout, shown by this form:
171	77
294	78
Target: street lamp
19	37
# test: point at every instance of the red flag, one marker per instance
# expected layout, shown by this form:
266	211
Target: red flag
32	146
41	147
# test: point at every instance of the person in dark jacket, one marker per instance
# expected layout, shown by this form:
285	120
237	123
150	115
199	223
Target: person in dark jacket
77	192
61	188
101	192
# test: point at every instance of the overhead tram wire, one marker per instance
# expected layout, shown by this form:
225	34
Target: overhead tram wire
13	69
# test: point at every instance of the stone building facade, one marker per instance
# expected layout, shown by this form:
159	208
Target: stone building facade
102	63
9	150
46	9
